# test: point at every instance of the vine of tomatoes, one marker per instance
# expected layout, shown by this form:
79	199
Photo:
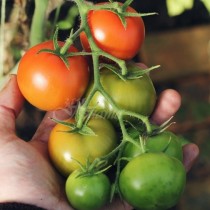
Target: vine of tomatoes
111	127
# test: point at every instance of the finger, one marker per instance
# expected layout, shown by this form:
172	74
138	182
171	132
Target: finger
11	103
190	154
43	131
167	105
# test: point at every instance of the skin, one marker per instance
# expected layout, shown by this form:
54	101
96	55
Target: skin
25	166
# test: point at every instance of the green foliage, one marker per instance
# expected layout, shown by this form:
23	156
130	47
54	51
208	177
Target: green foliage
177	7
69	20
207	4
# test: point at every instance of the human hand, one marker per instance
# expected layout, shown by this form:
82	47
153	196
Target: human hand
26	173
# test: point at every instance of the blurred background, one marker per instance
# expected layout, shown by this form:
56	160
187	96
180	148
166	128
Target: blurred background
178	39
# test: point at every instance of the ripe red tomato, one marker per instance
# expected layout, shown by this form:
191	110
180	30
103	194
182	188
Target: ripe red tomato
46	82
112	37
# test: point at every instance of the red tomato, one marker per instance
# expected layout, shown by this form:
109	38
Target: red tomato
112	37
46	82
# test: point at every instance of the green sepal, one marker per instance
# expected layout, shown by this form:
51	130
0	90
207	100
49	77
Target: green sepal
47	51
161	128
65	60
68	124
126	4
132	14
85	130
114	69
55	40
77	54
123	19
138	72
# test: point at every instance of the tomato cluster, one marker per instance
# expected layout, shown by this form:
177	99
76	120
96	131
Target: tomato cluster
111	125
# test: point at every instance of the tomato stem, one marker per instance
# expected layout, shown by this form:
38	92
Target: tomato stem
84	8
69	41
142	143
37	33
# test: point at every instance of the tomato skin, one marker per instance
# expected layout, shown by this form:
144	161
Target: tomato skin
137	95
47	83
112	37
88	192
152	181
166	142
64	148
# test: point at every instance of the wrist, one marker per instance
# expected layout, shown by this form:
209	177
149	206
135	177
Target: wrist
16	206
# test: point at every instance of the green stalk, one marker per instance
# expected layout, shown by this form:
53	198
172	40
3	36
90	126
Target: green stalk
3	15
83	11
70	41
57	12
83	8
37	32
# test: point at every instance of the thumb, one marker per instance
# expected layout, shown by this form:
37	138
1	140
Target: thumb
11	102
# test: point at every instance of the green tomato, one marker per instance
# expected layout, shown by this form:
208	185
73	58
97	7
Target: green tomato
152	181
166	142
88	192
136	95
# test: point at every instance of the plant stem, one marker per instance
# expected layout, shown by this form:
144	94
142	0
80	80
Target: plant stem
37	34
3	15
142	144
83	11
70	41
57	12
97	86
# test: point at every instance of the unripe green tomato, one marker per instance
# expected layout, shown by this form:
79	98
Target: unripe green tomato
166	142
152	181
88	192
136	95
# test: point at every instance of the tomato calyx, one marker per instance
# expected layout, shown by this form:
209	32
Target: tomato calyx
120	9
62	51
161	128
96	167
84	130
136	72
